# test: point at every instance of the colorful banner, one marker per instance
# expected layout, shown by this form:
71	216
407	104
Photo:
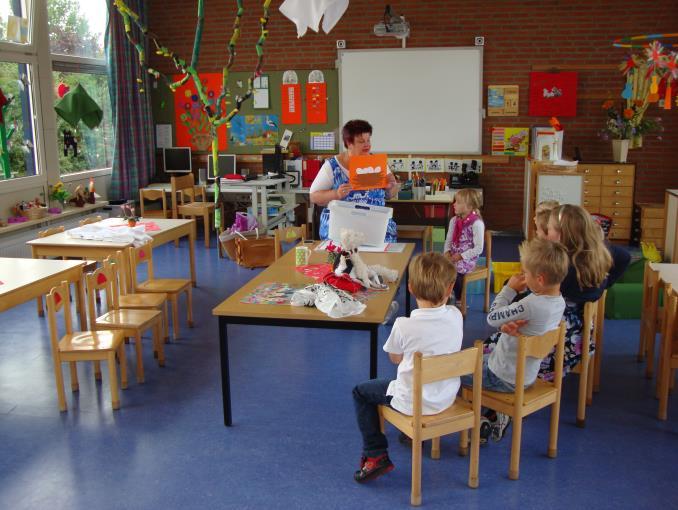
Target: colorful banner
368	172
316	103
192	125
290	98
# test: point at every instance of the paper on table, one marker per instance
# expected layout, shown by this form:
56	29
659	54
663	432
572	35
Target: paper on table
380	248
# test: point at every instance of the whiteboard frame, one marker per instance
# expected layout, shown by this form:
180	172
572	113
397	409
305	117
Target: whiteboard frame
406	150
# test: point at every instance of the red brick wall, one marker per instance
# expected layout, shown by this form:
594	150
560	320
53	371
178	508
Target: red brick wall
518	35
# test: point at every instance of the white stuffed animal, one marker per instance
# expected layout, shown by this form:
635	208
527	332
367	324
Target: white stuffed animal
371	277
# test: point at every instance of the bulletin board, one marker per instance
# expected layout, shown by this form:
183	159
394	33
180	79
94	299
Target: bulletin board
163	101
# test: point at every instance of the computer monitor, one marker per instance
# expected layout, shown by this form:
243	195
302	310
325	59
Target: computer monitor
226	165
177	160
273	163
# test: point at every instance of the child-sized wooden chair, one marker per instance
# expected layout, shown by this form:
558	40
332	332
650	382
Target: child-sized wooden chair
479	273
526	401
153	195
89	220
668	350
101	345
459	417
585	367
288	235
46	233
173	287
598	331
130	322
423	232
650	318
185	186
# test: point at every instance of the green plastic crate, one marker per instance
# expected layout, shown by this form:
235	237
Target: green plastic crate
624	301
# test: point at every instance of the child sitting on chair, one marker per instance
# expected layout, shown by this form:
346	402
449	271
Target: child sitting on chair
541	216
432	329
465	235
545	265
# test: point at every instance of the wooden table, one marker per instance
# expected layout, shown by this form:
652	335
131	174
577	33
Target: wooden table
414	212
232	311
26	279
61	245
668	273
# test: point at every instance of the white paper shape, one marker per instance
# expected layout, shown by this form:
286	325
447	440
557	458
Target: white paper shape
163	135
306	14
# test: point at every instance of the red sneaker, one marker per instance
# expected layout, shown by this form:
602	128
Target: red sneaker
373	467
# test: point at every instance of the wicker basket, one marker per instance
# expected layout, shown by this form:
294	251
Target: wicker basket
34	213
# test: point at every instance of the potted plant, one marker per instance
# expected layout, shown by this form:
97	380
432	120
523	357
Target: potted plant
60	194
625	125
129	215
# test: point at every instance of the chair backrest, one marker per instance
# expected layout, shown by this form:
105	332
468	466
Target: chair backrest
102	279
179	184
91	219
119	258
488	247
58	299
193	194
152	195
288	235
51	231
438	368
139	255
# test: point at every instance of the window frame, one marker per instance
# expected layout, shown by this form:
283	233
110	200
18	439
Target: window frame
29	47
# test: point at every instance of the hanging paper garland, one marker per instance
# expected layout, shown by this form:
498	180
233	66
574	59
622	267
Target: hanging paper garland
316	98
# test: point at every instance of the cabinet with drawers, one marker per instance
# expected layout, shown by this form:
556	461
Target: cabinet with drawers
649	223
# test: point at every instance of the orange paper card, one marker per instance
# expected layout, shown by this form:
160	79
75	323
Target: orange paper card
368	172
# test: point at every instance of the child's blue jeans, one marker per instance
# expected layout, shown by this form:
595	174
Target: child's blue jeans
367	397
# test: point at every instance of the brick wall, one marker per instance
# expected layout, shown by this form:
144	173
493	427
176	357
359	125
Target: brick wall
518	35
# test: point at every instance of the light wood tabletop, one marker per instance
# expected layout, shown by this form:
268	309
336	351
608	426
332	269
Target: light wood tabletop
62	245
233	311
668	273
25	279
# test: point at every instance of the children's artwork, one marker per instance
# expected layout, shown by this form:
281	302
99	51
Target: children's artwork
453	166
510	141
502	100
553	94
368	172
435	165
191	121
316	103
290	103
416	165
270	294
254	130
398	164
322	141
260	93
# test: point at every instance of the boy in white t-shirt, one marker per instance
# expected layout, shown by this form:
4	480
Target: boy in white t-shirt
431	329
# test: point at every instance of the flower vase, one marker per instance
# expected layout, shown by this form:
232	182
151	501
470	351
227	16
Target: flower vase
636	142
620	149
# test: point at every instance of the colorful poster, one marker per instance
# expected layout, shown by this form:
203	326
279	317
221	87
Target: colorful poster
510	141
553	94
316	103
254	130
368	172
191	123
502	100
290	98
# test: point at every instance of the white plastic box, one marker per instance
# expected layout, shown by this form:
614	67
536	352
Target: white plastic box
371	220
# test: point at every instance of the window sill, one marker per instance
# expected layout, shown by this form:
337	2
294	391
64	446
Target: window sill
22	183
86	174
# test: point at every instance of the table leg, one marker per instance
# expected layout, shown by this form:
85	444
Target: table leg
191	253
374	336
80	303
408	306
225	376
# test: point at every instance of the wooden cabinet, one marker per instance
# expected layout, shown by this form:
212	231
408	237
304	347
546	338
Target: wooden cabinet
649	225
671	226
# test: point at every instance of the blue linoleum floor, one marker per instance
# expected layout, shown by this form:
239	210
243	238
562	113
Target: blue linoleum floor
294	443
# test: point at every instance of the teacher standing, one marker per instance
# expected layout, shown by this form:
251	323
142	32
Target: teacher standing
332	181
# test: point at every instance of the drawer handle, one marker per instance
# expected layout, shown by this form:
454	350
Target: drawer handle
587	171
616	213
617	192
617	203
586	192
618	181
619	171
586	202
586	181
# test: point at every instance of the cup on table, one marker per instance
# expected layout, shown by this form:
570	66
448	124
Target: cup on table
302	254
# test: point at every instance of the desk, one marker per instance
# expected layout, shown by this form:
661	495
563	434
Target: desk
414	212
232	311
26	279
668	273
61	245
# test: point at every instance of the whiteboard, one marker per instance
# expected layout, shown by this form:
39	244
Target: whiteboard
418	100
566	189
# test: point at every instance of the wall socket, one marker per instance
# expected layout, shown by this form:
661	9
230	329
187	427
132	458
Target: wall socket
480	40
341	44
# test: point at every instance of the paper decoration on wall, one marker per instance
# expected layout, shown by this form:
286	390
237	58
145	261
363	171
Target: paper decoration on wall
290	78
316	98
260	93
368	172
306	14
191	120
322	141
502	100
290	98
78	105
435	165
398	164
510	141
17	29
254	130
553	94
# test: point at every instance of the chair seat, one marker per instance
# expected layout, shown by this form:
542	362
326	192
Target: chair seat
169	285
478	273
539	393
460	410
195	208
128	318
89	341
142	300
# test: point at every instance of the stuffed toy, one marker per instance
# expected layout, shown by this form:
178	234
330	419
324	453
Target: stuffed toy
350	262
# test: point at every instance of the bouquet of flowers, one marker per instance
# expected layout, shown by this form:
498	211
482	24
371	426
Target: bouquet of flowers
59	193
627	123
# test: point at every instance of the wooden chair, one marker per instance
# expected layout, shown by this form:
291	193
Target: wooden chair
598	332
173	287
138	300
46	233
526	401
459	417
585	368
153	195
423	232
479	273
288	235
97	346
129	322
668	350
650	319
185	186
89	220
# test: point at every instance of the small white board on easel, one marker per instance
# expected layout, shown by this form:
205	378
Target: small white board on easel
566	189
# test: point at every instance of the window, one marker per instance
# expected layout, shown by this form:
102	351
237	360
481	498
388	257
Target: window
77	27
15	18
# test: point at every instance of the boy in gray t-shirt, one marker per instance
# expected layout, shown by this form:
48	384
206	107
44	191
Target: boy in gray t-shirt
545	265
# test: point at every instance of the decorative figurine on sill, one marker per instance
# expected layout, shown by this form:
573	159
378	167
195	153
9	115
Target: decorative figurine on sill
78	197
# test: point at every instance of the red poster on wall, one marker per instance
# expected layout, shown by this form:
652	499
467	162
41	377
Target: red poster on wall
316	103
553	94
190	120
290	97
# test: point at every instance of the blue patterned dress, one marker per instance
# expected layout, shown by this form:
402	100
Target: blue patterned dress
369	197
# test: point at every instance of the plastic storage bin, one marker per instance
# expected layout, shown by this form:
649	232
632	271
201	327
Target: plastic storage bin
371	220
502	272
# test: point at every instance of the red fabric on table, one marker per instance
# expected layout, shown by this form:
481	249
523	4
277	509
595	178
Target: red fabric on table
315	271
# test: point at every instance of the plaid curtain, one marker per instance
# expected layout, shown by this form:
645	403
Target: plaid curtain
134	146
